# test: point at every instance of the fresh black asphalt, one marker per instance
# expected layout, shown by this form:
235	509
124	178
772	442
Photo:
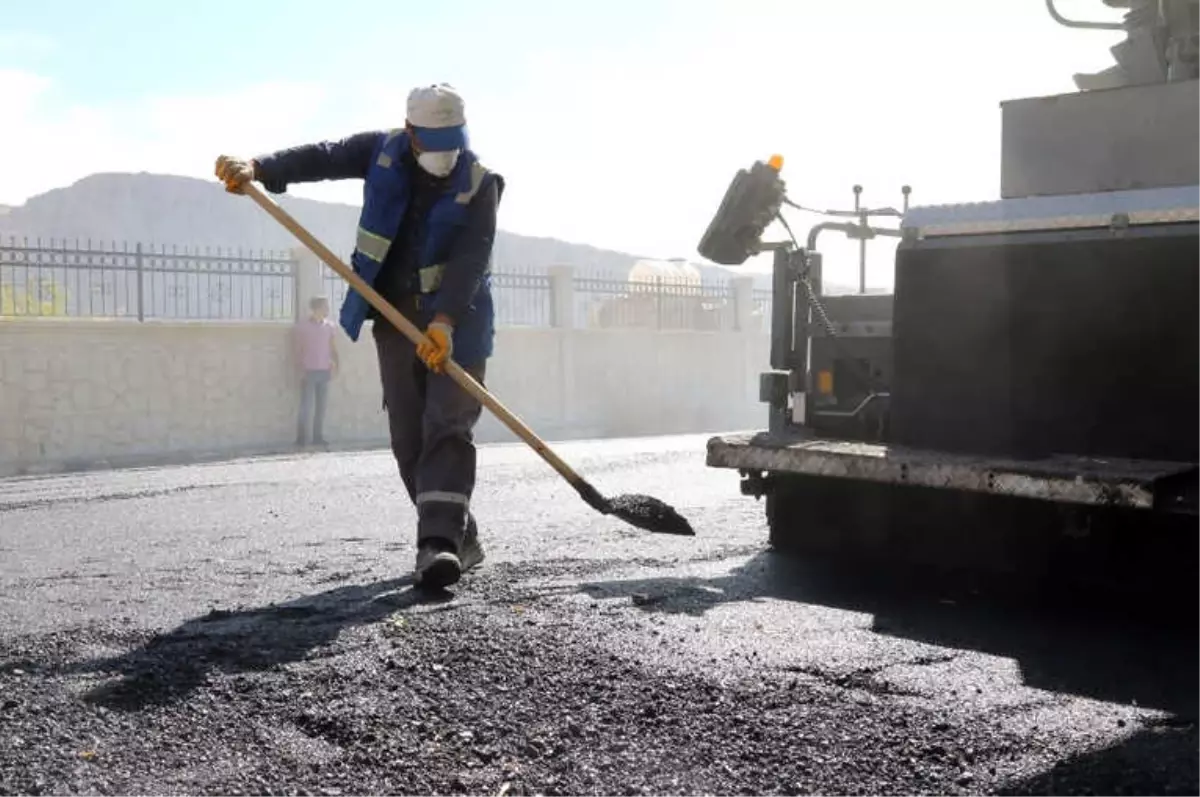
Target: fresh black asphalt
248	627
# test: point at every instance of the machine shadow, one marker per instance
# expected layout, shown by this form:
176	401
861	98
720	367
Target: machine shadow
1089	651
171	665
1155	760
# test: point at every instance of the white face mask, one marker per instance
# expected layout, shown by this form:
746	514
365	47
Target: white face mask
439	164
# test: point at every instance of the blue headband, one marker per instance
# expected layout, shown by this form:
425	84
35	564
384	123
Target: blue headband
441	139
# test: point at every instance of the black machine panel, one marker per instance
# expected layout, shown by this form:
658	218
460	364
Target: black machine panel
1032	344
951	372
848	369
845	413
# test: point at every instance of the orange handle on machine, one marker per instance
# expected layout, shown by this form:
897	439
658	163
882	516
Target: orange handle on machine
410	330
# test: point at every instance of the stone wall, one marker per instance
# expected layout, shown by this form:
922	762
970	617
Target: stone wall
77	393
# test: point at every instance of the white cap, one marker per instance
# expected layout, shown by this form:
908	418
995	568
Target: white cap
436	106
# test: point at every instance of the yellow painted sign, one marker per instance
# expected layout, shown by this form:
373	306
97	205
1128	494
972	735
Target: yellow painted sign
33	299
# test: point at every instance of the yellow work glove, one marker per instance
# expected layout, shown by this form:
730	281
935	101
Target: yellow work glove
439	348
235	173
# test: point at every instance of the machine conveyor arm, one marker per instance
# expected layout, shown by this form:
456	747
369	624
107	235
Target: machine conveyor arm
1073	23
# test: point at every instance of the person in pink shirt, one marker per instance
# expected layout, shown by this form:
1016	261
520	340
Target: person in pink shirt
317	357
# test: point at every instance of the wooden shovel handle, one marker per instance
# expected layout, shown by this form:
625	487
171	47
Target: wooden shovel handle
453	369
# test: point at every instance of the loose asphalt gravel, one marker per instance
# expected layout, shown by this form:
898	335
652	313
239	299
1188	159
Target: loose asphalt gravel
248	627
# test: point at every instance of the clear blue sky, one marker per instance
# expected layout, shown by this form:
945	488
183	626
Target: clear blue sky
124	49
617	123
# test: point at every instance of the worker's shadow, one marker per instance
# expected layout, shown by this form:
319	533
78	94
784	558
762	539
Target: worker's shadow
169	666
1059	648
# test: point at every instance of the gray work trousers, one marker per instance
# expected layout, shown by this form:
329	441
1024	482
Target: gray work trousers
314	391
431	420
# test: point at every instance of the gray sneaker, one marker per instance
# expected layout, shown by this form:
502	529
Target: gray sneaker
436	567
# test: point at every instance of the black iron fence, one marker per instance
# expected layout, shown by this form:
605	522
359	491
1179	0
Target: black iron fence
86	279
657	305
522	299
760	300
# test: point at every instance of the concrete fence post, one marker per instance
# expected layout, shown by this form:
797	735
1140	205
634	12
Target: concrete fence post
743	303
309	282
563	320
562	297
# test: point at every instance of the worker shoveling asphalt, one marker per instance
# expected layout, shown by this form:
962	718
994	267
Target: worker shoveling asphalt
422	261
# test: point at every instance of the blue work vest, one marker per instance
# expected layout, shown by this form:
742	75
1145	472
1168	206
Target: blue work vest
385	199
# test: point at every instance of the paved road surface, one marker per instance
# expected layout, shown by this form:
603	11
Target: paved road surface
246	627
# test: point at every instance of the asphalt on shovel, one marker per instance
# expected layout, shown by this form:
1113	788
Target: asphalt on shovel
642	511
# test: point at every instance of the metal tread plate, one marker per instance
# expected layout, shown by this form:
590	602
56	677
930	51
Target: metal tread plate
1068	479
1072	211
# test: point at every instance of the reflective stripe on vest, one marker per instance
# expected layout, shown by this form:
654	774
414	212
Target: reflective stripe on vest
384	160
431	276
372	245
478	172
376	246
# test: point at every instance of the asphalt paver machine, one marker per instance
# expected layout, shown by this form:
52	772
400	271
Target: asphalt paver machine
1026	399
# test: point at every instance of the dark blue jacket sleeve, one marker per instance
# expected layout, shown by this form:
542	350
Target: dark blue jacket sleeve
471	254
345	159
